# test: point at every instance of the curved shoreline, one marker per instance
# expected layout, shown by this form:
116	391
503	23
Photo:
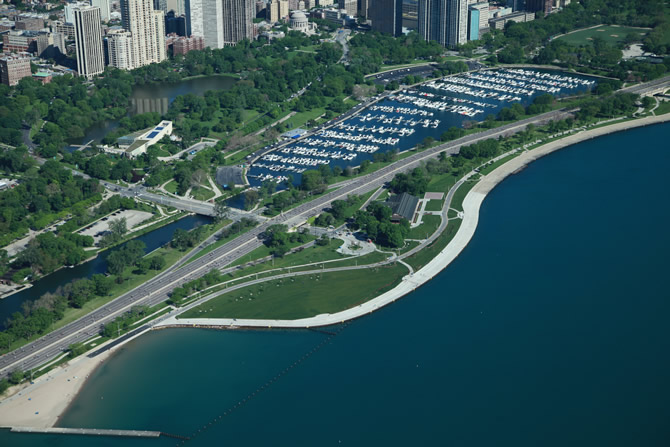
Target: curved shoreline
471	205
52	400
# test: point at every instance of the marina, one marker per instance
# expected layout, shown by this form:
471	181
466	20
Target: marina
404	119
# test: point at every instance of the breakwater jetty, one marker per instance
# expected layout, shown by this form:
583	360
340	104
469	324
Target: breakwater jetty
88	432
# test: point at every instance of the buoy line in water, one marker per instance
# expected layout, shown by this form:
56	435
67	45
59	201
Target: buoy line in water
266	385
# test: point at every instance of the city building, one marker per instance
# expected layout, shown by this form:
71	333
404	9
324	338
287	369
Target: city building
410	12
19	41
499	22
43	77
88	41
363	7
28	23
175	24
516	5
211	30
351	6
120	49
238	16
105	12
478	19
182	45
161	5
66	29
300	22
386	16
69	10
261	10
14	67
178	6
539	6
147	28
444	21
322	3
137	143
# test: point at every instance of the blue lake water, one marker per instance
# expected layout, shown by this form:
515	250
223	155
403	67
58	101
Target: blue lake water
550	329
153	240
403	120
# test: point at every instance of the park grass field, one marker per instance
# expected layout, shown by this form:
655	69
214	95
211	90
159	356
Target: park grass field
302	296
613	35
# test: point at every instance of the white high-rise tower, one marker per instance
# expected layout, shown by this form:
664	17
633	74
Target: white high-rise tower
445	21
88	41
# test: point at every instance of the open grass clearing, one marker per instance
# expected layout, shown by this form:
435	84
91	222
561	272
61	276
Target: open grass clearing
302	296
434	205
426	255
611	34
202	193
429	225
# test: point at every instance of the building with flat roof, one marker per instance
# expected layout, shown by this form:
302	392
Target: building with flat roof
147	28
386	16
499	22
43	77
14	67
444	21
88	41
120	49
138	143
238	16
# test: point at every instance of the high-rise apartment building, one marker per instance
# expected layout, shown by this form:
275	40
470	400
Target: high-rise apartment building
277	10
238	18
539	5
120	49
363	6
204	18
88	41
104	9
445	21
147	28
516	5
386	16
14	67
478	19
351	6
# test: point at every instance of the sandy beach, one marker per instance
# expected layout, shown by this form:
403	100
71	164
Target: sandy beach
41	404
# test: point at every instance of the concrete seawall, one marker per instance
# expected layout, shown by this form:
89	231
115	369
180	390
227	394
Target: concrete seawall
471	206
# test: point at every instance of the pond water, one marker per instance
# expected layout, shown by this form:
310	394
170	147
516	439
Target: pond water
157	98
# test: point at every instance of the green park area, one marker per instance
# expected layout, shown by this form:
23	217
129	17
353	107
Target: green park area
612	34
302	296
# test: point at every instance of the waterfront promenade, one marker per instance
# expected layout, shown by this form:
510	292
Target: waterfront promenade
17	409
466	231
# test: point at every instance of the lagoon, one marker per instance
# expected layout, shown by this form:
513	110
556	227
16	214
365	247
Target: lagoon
549	329
157	98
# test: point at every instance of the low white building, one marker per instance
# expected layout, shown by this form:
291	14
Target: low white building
141	143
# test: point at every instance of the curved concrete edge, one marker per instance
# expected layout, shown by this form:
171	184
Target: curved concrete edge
471	206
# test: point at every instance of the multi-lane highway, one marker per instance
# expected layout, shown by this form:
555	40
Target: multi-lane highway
158	289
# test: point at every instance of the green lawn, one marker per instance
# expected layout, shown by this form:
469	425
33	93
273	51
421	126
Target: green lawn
424	256
302	296
300	118
441	183
428	226
434	205
663	108
201	193
171	187
610	34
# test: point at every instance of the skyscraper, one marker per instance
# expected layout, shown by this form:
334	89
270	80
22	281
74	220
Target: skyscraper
147	28
88	41
211	30
386	16
120	49
351	6
104	9
238	18
445	21
539	5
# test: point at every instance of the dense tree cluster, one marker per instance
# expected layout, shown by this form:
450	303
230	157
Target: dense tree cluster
415	183
278	239
375	221
368	51
43	194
